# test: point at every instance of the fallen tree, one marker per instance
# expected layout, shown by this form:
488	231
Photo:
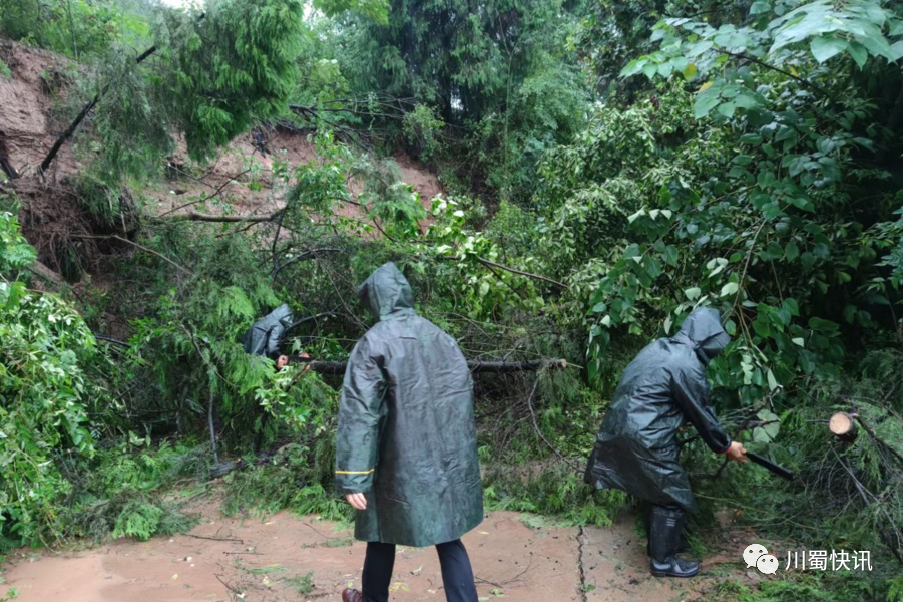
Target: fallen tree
498	367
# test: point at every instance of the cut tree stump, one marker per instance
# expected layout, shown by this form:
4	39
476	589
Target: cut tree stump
843	425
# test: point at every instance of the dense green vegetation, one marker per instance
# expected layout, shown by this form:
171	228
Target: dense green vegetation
608	166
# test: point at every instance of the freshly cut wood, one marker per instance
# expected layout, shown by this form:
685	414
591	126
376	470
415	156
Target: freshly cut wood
843	425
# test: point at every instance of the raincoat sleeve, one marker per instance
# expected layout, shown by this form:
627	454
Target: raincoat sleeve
360	410
691	391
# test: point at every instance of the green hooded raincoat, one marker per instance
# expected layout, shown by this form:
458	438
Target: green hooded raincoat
406	432
664	387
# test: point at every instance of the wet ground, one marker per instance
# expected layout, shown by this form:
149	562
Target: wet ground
287	557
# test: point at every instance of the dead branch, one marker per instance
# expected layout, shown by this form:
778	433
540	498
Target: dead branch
325	314
137	246
39	269
208	197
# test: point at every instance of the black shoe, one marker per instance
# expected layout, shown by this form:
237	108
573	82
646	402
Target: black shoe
675	567
665	527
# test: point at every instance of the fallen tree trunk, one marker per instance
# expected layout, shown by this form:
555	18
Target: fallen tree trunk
334	367
196	216
221	469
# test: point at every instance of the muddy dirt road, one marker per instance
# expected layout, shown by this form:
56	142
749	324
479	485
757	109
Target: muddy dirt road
286	557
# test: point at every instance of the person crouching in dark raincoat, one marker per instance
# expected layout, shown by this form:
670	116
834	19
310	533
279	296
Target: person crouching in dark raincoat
637	451
266	336
406	452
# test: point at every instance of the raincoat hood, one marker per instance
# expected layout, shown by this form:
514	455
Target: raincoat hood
704	332
284	315
386	292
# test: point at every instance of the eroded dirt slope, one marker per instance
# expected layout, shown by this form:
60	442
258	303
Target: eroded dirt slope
240	180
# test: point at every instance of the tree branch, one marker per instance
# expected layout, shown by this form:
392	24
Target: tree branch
740	55
206	198
195	216
337	367
492	264
137	246
539	432
302	257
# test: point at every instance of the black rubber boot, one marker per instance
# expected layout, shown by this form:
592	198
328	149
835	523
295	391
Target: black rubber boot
664	539
684	545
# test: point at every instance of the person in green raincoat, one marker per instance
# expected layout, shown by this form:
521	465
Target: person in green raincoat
636	449
406	450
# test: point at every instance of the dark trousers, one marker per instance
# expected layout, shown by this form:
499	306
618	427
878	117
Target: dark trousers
457	575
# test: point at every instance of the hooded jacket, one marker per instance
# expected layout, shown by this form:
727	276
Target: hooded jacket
661	389
406	435
266	335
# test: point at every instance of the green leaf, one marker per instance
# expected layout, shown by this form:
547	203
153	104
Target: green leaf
772	381
598	308
896	50
727	109
824	48
791	306
759	8
859	53
704	105
633	67
690	71
729	289
679	63
670	255
693	293
791	251
799	341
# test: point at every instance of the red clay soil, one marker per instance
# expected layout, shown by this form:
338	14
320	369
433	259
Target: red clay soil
267	561
25	107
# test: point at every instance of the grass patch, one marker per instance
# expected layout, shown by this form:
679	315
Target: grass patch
303	584
553	492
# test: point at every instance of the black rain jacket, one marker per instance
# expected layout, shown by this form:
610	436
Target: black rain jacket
406	436
661	389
